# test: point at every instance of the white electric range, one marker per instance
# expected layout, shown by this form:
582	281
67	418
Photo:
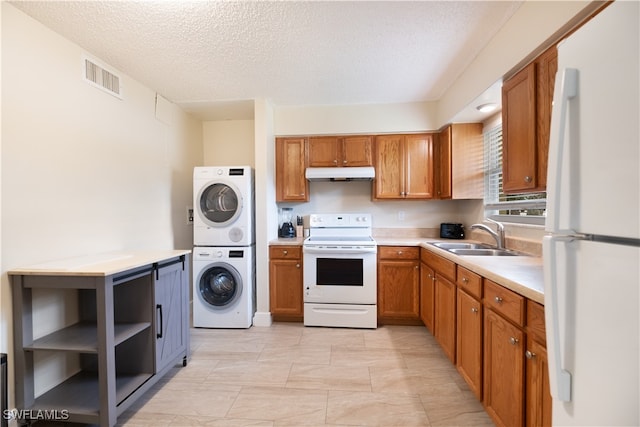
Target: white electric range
340	271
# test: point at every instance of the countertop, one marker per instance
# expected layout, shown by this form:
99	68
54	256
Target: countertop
99	264
521	274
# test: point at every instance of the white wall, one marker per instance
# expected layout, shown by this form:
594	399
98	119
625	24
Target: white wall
229	143
82	171
532	24
345	119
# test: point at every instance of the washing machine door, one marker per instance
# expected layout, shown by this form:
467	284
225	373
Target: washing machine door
220	285
219	204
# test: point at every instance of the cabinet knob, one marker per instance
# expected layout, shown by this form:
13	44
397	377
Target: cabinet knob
465	280
529	354
344	162
513	341
399	252
528	179
285	252
474	310
297	265
498	300
335	162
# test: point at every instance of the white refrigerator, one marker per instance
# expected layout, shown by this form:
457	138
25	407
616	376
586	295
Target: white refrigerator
591	250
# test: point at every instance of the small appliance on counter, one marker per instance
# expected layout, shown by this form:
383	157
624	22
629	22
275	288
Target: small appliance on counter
451	231
286	228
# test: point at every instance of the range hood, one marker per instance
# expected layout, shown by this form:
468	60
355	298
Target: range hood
364	173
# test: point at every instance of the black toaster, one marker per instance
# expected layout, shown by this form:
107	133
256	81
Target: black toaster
451	231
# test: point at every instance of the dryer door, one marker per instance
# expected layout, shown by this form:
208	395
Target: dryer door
219	204
220	285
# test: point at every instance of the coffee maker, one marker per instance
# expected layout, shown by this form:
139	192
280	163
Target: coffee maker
285	225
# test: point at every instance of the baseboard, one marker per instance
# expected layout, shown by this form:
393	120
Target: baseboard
262	319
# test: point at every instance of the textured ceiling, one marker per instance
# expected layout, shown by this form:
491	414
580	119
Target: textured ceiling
204	55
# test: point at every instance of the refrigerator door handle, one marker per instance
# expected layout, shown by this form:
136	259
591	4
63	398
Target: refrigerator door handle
565	91
559	378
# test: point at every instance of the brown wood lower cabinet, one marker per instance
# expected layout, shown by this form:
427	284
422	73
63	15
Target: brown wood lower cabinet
285	282
398	285
503	370
469	341
538	389
495	337
445	315
427	295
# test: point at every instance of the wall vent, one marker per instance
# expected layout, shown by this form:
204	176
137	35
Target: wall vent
97	76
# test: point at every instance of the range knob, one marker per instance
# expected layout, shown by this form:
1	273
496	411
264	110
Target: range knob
219	254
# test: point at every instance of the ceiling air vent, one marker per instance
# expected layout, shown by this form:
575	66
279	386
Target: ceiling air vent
101	78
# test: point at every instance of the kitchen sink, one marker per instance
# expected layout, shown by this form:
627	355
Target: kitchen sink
475	249
485	252
460	245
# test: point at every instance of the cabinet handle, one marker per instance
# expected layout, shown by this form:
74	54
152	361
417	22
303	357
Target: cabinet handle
474	310
297	265
344	162
513	341
465	280
529	354
417	267
399	252
335	162
285	252
498	300
528	179
159	309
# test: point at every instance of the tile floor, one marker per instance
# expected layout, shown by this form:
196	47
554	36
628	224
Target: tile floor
291	375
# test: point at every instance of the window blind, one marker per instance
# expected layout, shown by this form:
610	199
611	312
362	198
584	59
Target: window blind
496	202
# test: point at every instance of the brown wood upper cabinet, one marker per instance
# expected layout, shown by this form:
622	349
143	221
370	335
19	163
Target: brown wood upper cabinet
291	161
330	151
526	120
459	162
404	167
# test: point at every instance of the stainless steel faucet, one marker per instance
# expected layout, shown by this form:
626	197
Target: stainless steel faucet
498	235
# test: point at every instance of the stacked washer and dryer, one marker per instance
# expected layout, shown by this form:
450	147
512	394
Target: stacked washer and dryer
224	253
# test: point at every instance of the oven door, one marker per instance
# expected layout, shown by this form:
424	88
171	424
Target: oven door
340	275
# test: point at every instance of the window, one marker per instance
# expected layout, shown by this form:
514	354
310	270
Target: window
529	208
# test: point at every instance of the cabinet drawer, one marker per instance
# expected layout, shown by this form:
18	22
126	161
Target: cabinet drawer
535	320
470	282
285	252
504	301
398	252
439	264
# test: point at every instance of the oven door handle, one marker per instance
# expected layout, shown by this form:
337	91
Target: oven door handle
339	250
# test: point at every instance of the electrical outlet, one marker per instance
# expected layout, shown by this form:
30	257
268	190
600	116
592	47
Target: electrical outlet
401	215
189	215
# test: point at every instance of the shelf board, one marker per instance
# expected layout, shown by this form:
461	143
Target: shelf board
83	337
80	397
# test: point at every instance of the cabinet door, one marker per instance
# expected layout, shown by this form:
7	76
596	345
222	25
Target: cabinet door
467	161
356	150
172	313
519	131
285	287
291	184
445	316
389	180
469	341
427	296
324	151
538	405
503	370
547	64
443	164
398	289
419	167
